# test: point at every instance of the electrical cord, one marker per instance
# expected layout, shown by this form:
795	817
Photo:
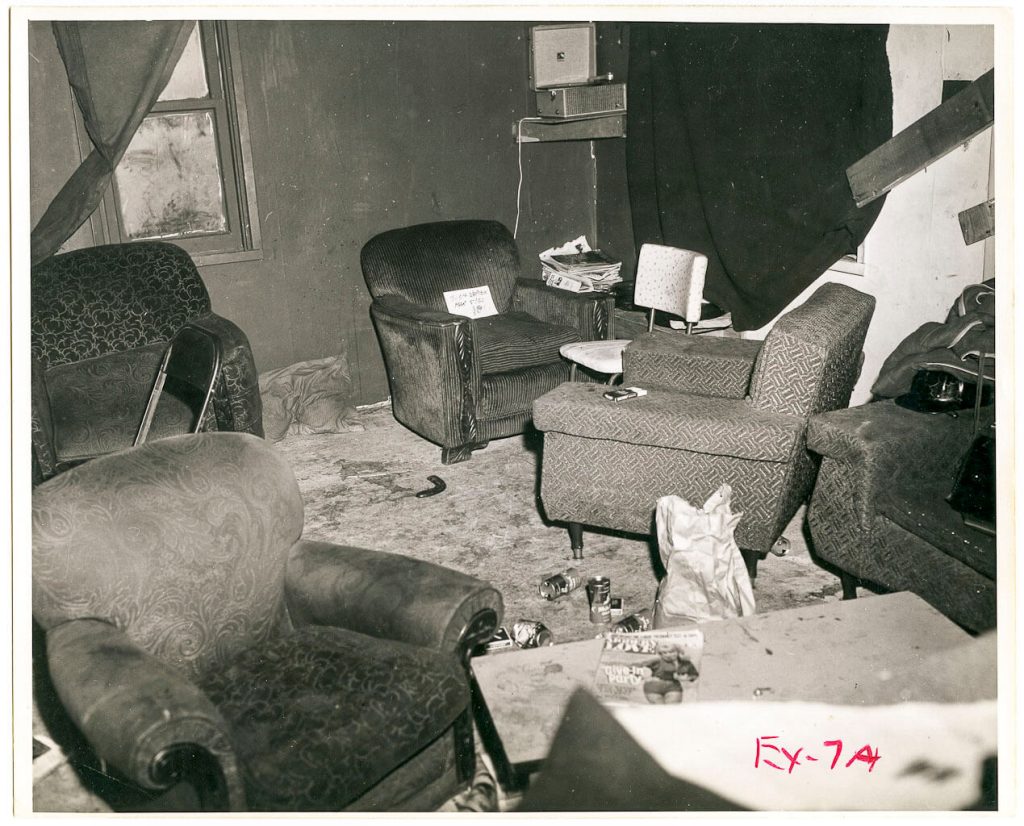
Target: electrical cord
519	187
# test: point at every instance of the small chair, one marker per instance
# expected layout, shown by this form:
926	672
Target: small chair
194	637
460	381
667	279
607	464
191	364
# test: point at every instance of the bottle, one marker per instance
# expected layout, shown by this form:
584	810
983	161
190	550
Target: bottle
560	584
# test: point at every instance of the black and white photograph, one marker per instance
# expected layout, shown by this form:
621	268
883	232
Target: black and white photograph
441	412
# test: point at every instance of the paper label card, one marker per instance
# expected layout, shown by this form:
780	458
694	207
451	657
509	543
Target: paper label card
474	302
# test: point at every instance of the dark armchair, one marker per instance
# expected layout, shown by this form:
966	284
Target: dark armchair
717	412
879	511
101	320
193	636
457	381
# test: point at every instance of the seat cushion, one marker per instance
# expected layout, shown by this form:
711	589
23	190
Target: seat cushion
320	715
512	341
924	512
600	356
98	403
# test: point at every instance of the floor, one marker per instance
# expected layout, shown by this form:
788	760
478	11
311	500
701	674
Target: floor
359	489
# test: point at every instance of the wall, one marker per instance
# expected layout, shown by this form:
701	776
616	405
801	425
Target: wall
358	127
916	259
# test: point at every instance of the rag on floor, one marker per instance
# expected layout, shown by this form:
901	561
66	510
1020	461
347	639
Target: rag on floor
308	397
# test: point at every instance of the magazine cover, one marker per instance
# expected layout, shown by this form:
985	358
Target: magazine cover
650	667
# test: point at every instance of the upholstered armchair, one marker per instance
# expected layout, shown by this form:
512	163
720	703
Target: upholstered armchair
879	511
461	381
716	412
101	320
194	637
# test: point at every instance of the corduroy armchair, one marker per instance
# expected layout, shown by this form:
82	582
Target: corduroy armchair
457	381
705	421
879	511
194	637
101	320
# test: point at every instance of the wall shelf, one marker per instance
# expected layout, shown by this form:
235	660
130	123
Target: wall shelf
612	125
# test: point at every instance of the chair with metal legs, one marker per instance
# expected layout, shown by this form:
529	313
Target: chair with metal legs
669	279
184	384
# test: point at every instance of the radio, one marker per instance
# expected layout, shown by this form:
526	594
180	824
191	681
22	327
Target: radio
579	101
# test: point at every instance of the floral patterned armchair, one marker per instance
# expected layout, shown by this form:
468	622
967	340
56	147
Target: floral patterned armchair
101	320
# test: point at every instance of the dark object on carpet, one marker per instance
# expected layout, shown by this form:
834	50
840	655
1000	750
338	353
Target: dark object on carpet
267	671
596	766
437	486
739	141
101	320
879	511
461	381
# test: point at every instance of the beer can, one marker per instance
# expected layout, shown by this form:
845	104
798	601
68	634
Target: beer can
560	584
640	621
531	634
599	590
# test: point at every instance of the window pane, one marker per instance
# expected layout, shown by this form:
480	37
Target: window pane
189	78
169	181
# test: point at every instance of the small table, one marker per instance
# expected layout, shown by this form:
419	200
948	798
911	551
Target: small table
838	652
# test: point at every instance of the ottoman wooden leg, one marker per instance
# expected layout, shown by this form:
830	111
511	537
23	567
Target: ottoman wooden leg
576	539
750	558
849	582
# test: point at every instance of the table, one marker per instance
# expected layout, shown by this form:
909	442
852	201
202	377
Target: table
853	651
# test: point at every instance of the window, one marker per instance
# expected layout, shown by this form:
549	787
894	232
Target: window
187	176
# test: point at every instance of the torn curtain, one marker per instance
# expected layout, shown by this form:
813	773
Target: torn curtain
739	140
117	70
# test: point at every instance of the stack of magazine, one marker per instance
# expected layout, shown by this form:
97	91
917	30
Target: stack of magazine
578	268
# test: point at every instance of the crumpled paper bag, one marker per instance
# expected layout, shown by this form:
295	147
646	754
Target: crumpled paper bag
705	577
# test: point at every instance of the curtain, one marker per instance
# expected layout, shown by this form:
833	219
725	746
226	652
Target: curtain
739	140
117	70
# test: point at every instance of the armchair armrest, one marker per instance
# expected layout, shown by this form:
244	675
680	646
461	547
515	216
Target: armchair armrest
44	451
432	368
588	313
236	401
701	364
389	596
880	445
142	716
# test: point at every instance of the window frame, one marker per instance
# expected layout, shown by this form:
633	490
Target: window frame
227	105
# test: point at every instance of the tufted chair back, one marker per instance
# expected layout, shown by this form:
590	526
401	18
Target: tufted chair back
420	263
189	563
105	299
811	359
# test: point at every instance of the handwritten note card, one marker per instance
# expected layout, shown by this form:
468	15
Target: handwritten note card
474	302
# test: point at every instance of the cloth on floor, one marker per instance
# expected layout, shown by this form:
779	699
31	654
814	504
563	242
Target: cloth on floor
308	397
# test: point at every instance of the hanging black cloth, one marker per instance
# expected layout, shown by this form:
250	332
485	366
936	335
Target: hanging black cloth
739	137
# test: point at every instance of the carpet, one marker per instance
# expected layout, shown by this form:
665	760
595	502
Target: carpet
359	489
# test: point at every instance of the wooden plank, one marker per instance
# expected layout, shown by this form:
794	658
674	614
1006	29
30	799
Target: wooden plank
943	129
572	129
978	222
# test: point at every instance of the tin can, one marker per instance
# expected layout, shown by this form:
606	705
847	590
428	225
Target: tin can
640	621
531	634
502	639
560	584
599	590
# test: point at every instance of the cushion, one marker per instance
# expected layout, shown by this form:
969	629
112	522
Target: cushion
512	341
98	403
321	714
679	421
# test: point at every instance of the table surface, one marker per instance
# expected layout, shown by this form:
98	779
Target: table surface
848	652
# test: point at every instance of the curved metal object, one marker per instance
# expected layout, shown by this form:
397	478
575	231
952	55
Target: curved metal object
438	487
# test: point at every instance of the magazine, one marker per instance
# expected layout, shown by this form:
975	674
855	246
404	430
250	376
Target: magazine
649	667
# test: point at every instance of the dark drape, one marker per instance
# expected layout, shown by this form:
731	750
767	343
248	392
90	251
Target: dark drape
739	137
117	70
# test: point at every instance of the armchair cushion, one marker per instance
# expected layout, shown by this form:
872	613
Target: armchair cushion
706	365
320	715
516	340
700	424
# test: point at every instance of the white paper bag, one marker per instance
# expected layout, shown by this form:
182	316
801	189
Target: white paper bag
705	577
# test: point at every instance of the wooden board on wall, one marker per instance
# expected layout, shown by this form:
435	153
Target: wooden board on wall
978	222
962	117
